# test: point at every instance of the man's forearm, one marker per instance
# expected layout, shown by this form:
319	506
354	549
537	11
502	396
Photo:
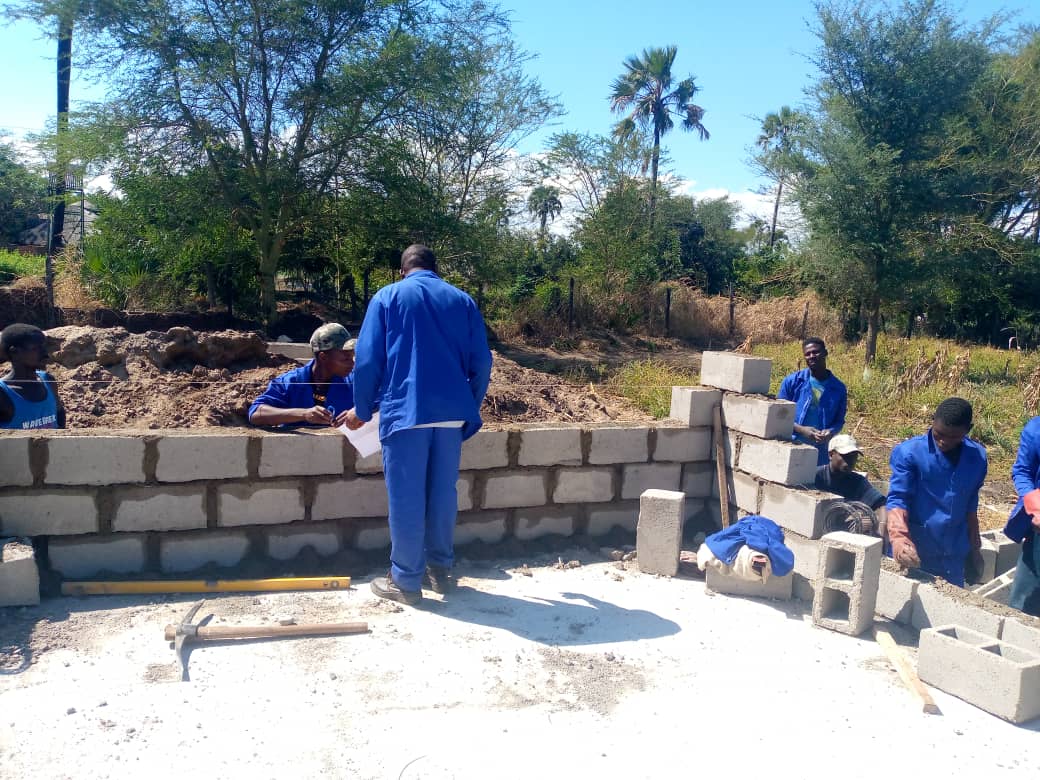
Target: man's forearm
271	415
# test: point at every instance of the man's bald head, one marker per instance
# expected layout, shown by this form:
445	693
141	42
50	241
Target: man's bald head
418	257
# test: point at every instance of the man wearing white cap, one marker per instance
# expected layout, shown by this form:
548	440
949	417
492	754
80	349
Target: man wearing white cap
838	476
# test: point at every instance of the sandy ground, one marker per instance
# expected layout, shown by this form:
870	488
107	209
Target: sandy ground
597	671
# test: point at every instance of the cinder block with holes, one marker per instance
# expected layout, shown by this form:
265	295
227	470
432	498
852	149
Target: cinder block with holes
999	554
1000	678
847	582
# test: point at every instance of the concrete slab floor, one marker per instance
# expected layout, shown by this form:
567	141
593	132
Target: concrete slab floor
595	671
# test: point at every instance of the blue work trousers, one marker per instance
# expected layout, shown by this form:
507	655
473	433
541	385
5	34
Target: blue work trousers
421	467
1025	590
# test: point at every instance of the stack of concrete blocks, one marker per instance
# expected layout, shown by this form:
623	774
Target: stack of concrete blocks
19	576
766	472
128	501
659	531
847	582
998	677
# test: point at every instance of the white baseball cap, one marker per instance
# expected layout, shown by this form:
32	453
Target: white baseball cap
843	444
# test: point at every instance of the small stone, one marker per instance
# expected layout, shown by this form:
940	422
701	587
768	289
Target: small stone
573	564
333	676
70	711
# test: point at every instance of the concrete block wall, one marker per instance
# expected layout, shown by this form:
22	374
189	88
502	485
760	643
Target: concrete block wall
173	501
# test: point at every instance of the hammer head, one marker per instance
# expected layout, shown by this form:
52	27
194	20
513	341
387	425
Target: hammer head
186	630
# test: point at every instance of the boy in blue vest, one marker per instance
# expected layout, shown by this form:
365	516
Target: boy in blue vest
933	496
28	394
317	394
820	399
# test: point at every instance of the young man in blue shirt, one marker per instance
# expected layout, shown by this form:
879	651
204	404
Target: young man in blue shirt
28	395
317	394
933	496
820	399
1024	523
423	358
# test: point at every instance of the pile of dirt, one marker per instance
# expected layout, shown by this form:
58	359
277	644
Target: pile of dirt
109	378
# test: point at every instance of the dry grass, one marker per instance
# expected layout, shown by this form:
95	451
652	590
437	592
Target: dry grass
69	292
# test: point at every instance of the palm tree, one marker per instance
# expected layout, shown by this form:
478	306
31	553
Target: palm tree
544	203
645	91
777	142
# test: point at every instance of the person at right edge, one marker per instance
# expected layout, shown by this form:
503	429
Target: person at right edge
1023	525
933	497
423	358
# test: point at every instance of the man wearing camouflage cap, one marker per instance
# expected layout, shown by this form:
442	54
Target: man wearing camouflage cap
319	393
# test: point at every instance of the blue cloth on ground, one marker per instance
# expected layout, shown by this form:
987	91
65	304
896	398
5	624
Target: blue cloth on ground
757	532
422	356
295	390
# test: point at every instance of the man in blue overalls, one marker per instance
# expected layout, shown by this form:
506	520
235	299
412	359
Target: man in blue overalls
933	496
423	358
820	399
1024	523
319	393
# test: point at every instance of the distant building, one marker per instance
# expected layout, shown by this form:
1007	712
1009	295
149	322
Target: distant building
79	219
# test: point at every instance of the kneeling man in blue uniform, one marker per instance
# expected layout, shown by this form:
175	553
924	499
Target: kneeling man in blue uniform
933	496
423	359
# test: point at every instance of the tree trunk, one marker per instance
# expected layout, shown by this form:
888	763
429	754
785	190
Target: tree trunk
776	213
654	161
57	233
211	284
873	322
270	247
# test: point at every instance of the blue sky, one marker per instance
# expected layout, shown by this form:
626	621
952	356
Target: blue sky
749	58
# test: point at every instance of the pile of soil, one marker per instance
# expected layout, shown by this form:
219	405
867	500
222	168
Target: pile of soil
110	378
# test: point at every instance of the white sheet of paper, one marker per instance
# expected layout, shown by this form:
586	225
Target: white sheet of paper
366	438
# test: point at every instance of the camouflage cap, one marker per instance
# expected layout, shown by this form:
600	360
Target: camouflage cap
331	335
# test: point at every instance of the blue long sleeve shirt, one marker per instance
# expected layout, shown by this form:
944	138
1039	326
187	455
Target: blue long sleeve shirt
295	390
1025	474
422	356
937	494
797	387
757	532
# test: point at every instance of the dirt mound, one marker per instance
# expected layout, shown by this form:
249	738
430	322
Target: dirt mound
109	378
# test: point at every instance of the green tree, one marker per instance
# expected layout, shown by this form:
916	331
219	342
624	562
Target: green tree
544	204
646	93
779	156
22	194
876	199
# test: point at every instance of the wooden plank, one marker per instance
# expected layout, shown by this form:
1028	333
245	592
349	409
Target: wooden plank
720	465
906	672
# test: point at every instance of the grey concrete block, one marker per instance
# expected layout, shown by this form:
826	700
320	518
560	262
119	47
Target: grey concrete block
604	520
999	678
847	582
15	469
743	489
543	521
464	492
360	497
998	589
590	485
267	503
94	460
683	444
1003	551
485	450
773	588
778	461
53	512
739	373
1022	632
896	596
698	479
78	557
619	445
801	511
179	552
517	489
375	536
637	478
940	607
302	454
693	405
284	544
159	508
370	464
19	575
762	417
189	458
659	531
807	554
695	509
730	448
487	527
550	447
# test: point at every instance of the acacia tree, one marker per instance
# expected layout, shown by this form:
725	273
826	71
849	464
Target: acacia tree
877	200
645	91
